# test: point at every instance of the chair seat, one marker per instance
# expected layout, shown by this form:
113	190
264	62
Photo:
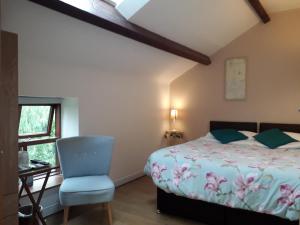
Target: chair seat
86	190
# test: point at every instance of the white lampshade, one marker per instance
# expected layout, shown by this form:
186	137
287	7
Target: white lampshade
174	113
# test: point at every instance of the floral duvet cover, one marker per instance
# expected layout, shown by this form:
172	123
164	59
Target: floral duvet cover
235	175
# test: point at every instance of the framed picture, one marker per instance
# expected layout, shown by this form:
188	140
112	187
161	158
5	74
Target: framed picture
235	78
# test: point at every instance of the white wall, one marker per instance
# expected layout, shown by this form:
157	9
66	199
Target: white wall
69	117
122	86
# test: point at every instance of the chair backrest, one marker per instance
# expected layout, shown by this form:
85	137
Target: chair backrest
85	156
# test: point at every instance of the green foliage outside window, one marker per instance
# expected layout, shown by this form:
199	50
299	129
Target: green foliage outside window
45	152
34	120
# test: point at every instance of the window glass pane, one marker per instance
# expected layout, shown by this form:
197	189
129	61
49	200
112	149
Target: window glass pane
45	152
34	119
116	2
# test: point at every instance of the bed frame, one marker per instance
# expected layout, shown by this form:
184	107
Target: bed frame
213	214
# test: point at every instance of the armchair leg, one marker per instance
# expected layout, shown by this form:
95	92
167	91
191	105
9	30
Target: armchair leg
109	212
66	215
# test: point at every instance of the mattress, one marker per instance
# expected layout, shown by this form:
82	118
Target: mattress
239	175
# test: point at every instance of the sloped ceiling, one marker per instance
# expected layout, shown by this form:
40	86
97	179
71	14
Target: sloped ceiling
203	25
280	5
49	36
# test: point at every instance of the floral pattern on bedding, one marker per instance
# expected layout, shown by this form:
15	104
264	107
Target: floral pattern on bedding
240	176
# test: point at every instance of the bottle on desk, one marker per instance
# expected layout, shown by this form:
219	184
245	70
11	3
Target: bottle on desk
23	162
23	159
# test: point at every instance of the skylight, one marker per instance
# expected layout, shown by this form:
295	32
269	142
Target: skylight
115	2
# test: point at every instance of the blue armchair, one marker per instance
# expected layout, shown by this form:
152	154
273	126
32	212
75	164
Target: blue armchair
85	164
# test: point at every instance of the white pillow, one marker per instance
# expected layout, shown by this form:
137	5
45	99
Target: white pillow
252	141
209	136
293	145
293	135
248	141
249	134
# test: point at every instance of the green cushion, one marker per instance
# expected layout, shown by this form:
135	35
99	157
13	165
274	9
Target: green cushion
274	138
228	135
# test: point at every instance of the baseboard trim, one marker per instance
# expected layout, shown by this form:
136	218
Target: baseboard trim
52	209
129	178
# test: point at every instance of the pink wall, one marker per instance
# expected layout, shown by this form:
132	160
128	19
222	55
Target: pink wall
273	79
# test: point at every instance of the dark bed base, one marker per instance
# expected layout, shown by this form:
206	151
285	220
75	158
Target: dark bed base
213	214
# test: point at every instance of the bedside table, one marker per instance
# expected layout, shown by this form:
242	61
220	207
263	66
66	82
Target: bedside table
174	137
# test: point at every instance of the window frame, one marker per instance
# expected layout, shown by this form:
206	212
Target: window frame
32	139
110	2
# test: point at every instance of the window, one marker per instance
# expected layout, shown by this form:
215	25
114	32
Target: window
114	2
39	128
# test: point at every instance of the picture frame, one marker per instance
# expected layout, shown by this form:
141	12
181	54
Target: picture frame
235	78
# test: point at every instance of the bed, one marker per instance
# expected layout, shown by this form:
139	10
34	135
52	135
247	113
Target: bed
229	184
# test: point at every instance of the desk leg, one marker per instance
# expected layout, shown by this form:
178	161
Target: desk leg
43	188
21	190
41	193
35	204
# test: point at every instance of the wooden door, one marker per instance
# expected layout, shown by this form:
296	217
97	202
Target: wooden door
1	152
9	128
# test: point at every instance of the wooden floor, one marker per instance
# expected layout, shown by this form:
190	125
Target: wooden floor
134	204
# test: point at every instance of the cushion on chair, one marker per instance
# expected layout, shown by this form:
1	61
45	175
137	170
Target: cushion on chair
86	190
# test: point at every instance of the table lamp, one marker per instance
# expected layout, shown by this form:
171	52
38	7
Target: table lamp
173	116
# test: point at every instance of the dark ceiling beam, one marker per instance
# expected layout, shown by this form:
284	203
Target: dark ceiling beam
106	16
260	10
